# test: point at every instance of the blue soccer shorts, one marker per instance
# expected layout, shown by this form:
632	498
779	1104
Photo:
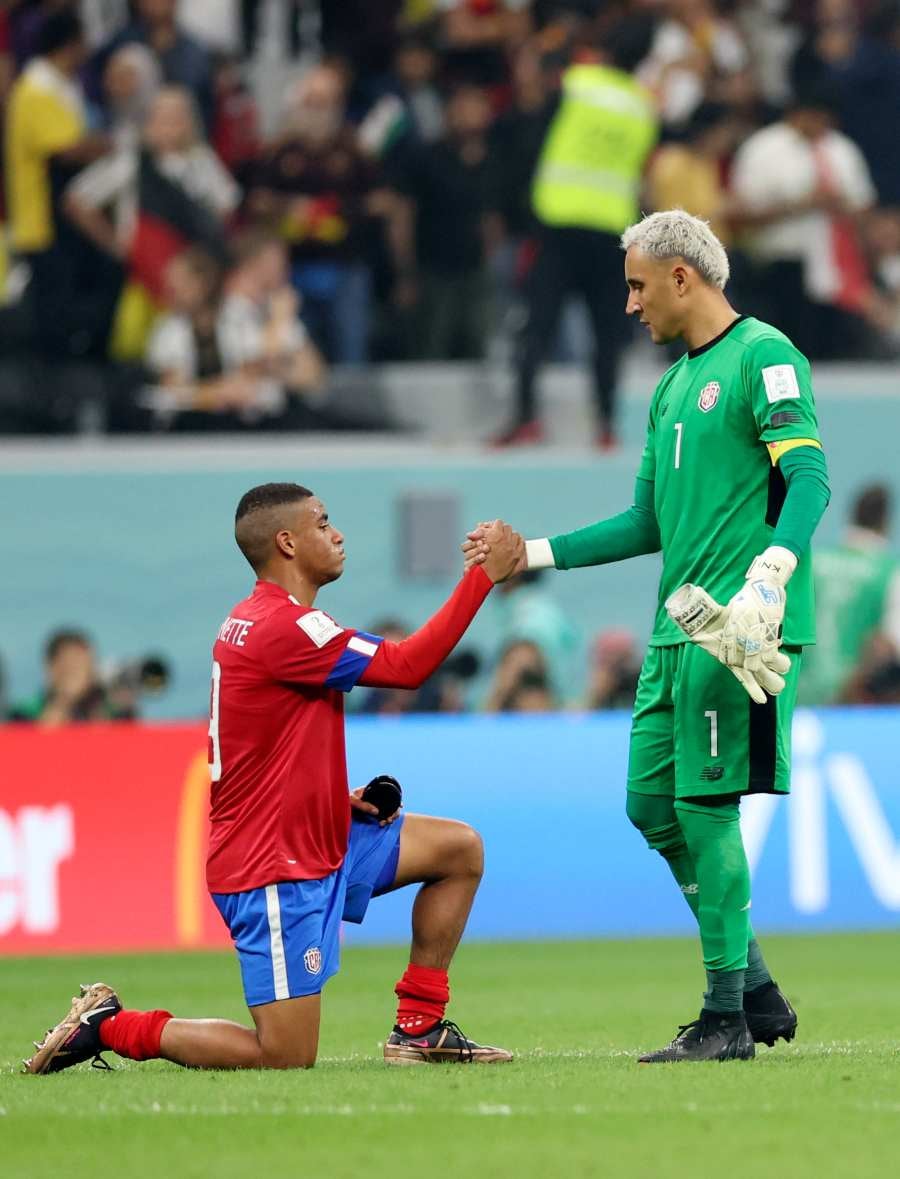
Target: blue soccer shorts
287	935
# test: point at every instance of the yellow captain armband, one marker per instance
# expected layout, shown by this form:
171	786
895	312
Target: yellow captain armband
778	449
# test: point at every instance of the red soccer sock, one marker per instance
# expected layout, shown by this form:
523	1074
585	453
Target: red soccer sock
424	994
135	1034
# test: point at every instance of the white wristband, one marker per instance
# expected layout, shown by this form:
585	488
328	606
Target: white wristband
776	563
538	554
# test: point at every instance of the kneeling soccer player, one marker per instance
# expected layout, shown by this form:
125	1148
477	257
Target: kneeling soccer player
291	852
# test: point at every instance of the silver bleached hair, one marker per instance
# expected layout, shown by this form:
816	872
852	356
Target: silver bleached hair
676	234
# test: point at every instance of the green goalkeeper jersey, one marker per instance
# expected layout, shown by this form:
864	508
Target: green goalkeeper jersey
720	419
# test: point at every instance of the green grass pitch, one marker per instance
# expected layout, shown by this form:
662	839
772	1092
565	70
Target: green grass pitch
574	1103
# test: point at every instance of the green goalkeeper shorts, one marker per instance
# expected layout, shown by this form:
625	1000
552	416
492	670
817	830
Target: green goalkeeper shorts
695	731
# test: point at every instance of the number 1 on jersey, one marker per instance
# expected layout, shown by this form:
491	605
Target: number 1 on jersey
679	430
215	753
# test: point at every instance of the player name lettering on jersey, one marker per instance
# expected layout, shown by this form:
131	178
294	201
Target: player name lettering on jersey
235	631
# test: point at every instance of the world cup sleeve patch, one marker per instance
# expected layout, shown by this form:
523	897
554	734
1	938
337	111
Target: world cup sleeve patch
320	628
780	381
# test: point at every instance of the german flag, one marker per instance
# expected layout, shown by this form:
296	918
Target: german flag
168	221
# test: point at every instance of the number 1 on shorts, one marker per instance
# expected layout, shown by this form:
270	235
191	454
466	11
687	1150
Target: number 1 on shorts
713	718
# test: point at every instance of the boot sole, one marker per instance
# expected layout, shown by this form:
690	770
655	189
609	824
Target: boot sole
770	1035
407	1057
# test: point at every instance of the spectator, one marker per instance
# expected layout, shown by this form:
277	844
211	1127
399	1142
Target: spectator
585	194
184	60
881	236
798	187
857	589
187	352
259	328
525	610
72	688
615	668
520	682
696	54
46	140
858	62
215	23
689	174
362	33
414	82
531	694
449	184
147	201
477	35
315	188
251	11
516	139
236	129
131	81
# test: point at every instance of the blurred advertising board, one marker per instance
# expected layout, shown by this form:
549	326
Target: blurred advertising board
103	830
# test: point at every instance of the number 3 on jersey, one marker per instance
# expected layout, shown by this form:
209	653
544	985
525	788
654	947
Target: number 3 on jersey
679	430
215	754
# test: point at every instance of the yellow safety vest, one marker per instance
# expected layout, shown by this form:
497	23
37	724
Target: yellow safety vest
589	171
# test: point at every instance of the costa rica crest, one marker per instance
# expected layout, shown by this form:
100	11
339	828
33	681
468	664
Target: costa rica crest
312	960
709	396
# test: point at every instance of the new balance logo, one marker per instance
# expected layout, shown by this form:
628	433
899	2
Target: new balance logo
712	773
690	890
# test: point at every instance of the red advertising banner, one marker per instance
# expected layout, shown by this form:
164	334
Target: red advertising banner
103	833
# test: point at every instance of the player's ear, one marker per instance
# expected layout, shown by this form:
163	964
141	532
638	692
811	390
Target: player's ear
680	278
286	543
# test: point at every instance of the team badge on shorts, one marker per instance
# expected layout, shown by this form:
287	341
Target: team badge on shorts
312	960
709	396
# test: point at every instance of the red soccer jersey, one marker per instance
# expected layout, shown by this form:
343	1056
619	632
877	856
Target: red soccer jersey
280	807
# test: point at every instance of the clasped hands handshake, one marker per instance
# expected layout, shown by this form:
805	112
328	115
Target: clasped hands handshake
497	548
744	634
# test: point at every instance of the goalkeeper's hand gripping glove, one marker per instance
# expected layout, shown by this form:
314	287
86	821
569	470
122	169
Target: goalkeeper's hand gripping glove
745	634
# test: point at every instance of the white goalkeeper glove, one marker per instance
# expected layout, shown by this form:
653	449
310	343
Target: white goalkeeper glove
745	634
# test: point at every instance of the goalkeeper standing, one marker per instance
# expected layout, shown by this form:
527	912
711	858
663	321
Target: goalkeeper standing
731	486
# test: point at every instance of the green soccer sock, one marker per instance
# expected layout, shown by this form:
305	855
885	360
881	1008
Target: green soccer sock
724	990
712	834
655	818
757	971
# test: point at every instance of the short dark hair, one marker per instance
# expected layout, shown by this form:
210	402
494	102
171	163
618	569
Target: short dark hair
256	517
629	41
64	638
871	508
250	243
206	267
60	30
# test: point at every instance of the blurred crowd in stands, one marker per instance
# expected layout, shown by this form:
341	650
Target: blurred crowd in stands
185	252
536	653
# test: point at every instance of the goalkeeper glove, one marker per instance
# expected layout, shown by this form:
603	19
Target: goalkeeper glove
744	634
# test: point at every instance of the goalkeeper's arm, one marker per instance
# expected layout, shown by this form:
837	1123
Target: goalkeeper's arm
630	534
806	479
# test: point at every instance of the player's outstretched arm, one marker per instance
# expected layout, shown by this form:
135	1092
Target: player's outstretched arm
409	663
630	534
